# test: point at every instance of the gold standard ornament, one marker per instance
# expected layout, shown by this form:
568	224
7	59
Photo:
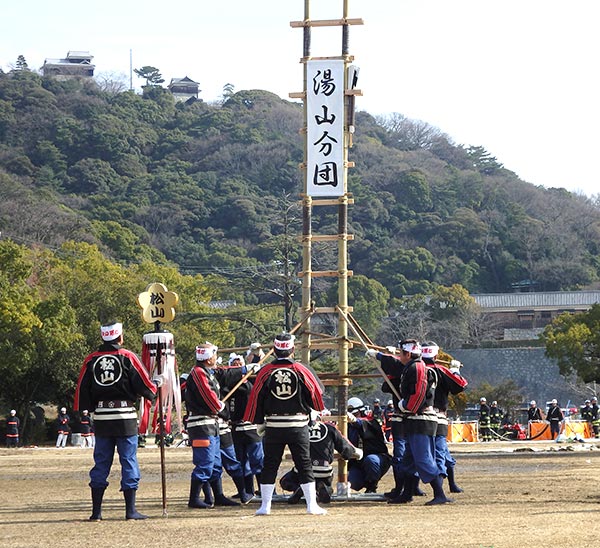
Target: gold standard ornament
157	303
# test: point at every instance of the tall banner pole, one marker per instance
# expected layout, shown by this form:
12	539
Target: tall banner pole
161	422
158	304
328	95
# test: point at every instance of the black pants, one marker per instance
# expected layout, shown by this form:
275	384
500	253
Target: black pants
274	444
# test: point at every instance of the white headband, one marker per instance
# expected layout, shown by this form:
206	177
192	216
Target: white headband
430	351
203	353
110	332
284	345
233	356
412	348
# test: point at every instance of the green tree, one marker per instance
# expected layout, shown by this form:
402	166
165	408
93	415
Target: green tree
38	337
508	395
370	300
407	271
151	74
228	91
21	64
573	340
483	161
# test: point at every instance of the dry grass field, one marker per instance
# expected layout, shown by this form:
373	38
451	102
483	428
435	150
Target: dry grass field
517	494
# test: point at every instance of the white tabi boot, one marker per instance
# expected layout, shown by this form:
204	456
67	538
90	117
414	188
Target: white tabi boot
266	495
310	495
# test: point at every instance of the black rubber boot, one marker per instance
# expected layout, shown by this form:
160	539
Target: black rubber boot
398	485
245	497
295	497
194	501
130	511
323	494
249	484
97	496
439	497
451	483
417	491
220	498
407	493
371	486
208	495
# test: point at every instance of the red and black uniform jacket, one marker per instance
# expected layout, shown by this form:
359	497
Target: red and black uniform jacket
202	398
12	427
110	382
417	387
283	394
447	383
62	423
85	425
393	368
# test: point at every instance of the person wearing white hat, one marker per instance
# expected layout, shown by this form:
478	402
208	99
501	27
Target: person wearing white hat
246	439
12	429
86	428
534	413
449	381
484	420
62	428
366	432
555	417
595	417
110	382
229	378
280	402
255	353
203	401
585	412
415	426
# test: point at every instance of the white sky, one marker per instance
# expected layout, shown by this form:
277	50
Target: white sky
518	77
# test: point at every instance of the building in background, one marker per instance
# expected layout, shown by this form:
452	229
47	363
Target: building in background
523	316
77	64
184	89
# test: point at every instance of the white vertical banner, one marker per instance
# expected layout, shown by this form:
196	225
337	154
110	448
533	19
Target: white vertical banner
325	128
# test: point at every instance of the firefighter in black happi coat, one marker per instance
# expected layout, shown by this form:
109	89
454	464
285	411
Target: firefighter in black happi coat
280	402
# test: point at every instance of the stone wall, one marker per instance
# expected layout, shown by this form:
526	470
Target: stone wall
529	368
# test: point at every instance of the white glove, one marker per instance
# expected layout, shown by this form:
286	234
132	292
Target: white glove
220	360
455	366
260	429
391	349
159	380
255	346
401	407
351	417
358	453
371	353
